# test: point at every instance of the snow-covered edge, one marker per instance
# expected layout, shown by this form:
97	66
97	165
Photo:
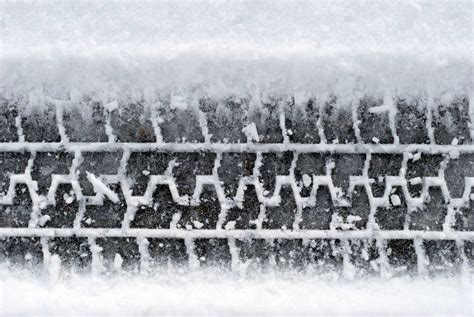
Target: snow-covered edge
210	72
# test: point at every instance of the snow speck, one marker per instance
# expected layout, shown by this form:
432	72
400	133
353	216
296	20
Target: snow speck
197	224
43	220
230	225
416	156
415	180
68	199
306	180
101	188
395	200
251	132
454	155
118	261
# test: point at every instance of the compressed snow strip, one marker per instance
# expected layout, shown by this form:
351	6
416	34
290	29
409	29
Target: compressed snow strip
235	147
238	234
122	52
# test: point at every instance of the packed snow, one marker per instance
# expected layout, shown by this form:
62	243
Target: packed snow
209	293
112	52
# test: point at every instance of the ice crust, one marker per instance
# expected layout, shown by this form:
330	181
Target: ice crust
133	52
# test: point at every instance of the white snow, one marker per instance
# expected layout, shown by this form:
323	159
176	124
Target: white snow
306	180
111	106
101	188
416	156
416	181
215	294
197	224
395	200
118	261
230	225
251	133
115	52
178	102
454	155
54	268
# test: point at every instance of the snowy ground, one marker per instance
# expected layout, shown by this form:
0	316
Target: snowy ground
113	52
216	294
130	51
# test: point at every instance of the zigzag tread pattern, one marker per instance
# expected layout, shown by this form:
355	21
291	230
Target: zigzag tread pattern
302	182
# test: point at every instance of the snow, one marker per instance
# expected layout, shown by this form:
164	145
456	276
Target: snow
306	180
120	53
251	133
118	261
117	52
395	200
210	293
101	188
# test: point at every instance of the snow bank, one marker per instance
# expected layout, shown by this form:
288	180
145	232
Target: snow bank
212	294
113	51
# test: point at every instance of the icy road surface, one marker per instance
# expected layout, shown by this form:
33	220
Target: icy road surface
215	294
